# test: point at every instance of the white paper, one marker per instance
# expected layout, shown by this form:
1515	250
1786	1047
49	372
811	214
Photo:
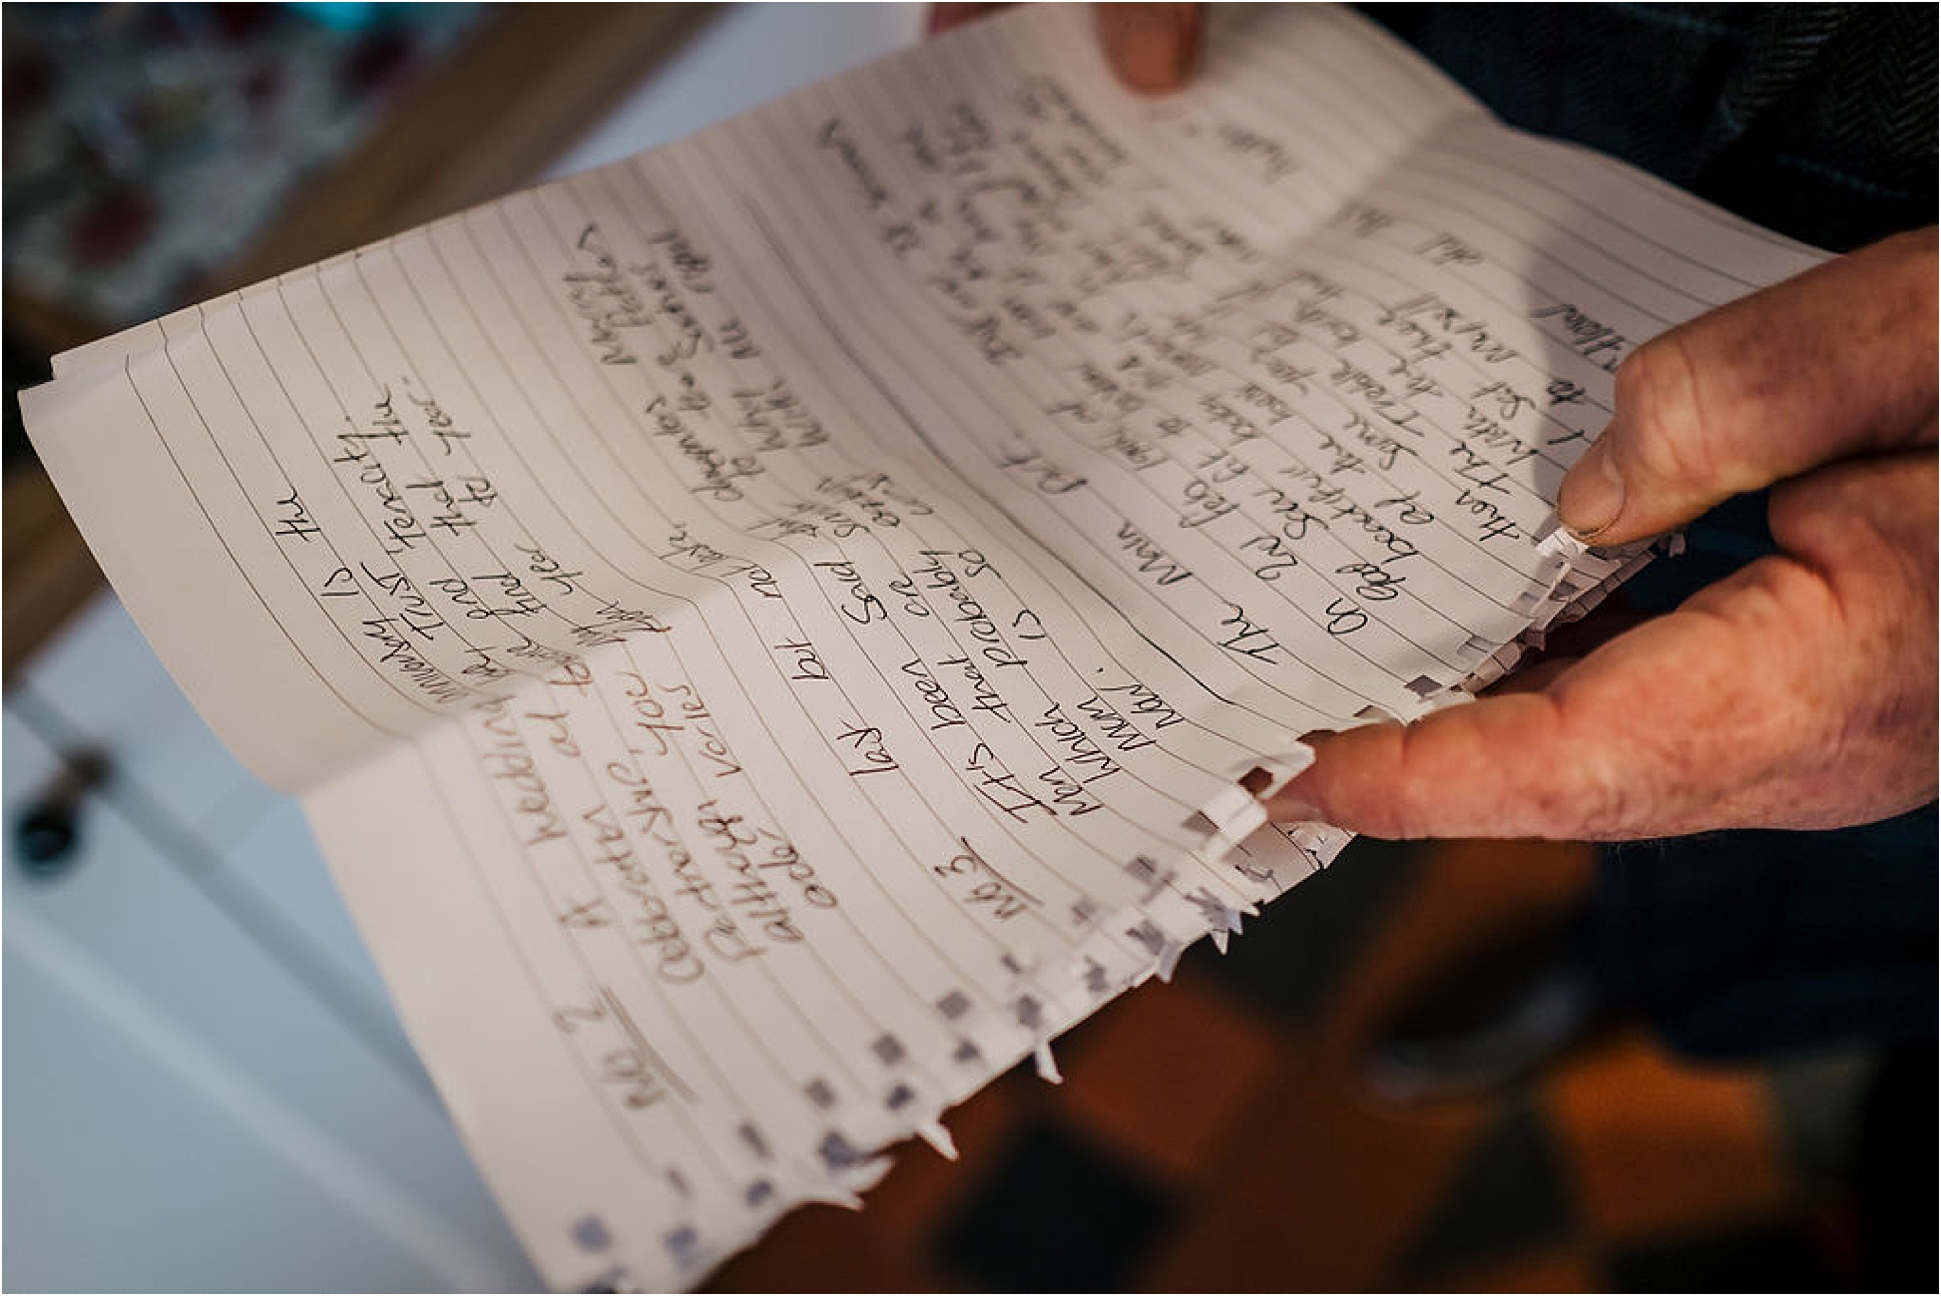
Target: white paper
767	631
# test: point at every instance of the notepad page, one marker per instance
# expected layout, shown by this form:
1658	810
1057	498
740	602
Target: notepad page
767	631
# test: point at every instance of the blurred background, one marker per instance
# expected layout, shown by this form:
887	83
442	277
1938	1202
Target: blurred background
205	1087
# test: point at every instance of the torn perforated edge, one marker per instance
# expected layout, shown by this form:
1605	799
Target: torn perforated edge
1047	1065
1583	578
933	1132
1233	812
1319	841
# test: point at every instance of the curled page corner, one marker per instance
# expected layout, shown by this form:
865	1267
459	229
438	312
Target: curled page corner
934	1133
1558	544
831	1195
1565	553
1047	1065
1235	812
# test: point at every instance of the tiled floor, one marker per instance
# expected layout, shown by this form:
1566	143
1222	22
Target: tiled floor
1217	1134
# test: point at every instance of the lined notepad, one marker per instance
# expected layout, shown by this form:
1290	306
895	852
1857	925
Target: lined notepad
767	631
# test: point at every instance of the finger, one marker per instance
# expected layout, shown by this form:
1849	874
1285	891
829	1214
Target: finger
1153	48
1836	362
945	17
1534	677
1869	528
1680	725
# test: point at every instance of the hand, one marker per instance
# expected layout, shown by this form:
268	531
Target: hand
1797	693
1152	48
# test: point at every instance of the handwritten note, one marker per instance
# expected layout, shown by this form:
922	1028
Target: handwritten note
767	632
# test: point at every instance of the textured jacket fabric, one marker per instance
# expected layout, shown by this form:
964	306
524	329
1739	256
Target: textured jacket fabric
1814	120
1817	121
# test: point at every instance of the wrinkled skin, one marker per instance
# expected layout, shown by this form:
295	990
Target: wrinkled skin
1798	692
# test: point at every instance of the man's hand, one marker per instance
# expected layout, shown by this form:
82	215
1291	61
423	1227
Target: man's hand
1799	692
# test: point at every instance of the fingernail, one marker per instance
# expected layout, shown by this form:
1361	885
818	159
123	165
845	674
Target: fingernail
1592	495
1295	811
1292	805
1152	47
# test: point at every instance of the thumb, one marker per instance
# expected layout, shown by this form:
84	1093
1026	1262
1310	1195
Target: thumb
1152	48
1836	362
